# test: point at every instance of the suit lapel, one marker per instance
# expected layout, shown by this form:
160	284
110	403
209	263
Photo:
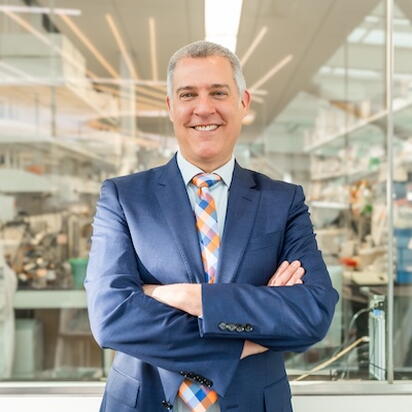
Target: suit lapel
175	205
240	217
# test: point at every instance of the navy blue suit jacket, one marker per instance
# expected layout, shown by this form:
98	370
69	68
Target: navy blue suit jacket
144	232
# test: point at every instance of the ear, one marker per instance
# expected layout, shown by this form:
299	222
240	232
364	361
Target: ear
245	101
169	108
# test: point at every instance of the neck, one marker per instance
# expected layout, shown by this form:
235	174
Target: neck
209	167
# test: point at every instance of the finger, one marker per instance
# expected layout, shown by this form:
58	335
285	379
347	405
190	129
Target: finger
281	268
279	271
296	278
286	276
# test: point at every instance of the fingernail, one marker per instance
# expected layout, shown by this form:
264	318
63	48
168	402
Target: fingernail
295	264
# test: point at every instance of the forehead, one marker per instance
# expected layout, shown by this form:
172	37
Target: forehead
199	71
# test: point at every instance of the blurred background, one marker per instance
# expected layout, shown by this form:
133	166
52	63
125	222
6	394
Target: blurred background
82	98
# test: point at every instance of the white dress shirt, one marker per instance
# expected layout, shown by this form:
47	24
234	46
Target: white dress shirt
219	191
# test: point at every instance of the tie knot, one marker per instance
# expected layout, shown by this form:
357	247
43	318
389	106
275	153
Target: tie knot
205	179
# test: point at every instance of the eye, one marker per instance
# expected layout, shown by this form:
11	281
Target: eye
186	95
219	93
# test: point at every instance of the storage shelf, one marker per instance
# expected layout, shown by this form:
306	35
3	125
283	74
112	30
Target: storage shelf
329	205
398	107
50	299
69	98
57	143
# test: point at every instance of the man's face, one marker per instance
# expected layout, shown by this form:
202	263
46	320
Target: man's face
206	110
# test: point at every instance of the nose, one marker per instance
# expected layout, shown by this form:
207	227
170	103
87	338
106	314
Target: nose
204	106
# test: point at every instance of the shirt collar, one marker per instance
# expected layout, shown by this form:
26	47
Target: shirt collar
188	170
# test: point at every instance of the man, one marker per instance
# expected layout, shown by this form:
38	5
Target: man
196	268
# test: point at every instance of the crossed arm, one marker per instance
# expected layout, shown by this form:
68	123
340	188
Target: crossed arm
125	318
188	296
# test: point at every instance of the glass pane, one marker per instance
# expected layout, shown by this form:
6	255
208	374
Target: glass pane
82	98
327	131
402	158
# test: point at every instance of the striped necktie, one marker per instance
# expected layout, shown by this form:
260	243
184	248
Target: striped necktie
198	397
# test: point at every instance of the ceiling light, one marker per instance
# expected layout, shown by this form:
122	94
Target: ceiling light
85	40
253	46
41	10
121	45
272	72
260	92
152	93
257	99
222	20
153	53
29	27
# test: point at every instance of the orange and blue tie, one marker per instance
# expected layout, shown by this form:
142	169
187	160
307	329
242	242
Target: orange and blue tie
199	397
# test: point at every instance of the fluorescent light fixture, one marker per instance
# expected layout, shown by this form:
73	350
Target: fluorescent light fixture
86	41
271	72
29	27
152	93
260	92
253	46
153	52
121	45
41	10
26	25
257	99
222	20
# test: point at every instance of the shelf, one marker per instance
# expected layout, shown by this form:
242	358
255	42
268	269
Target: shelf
50	299
57	143
339	135
352	176
20	181
398	107
69	98
329	205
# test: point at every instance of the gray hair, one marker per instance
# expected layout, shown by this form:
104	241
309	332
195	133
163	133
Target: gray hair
203	48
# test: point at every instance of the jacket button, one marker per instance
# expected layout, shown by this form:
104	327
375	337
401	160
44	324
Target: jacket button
240	328
231	327
248	328
167	405
222	326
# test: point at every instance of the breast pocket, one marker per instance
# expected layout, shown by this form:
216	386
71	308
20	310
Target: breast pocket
267	240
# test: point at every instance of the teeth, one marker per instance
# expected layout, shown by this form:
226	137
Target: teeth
207	128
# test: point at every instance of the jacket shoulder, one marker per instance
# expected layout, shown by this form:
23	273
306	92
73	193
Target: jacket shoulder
136	179
265	182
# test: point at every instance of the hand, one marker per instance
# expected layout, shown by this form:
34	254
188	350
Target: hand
251	348
182	296
287	274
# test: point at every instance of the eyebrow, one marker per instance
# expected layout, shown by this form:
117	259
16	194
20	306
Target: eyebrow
213	86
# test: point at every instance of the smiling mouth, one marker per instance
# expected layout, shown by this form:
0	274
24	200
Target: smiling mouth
206	127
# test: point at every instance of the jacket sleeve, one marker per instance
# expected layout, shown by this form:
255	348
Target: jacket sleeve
281	318
123	318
